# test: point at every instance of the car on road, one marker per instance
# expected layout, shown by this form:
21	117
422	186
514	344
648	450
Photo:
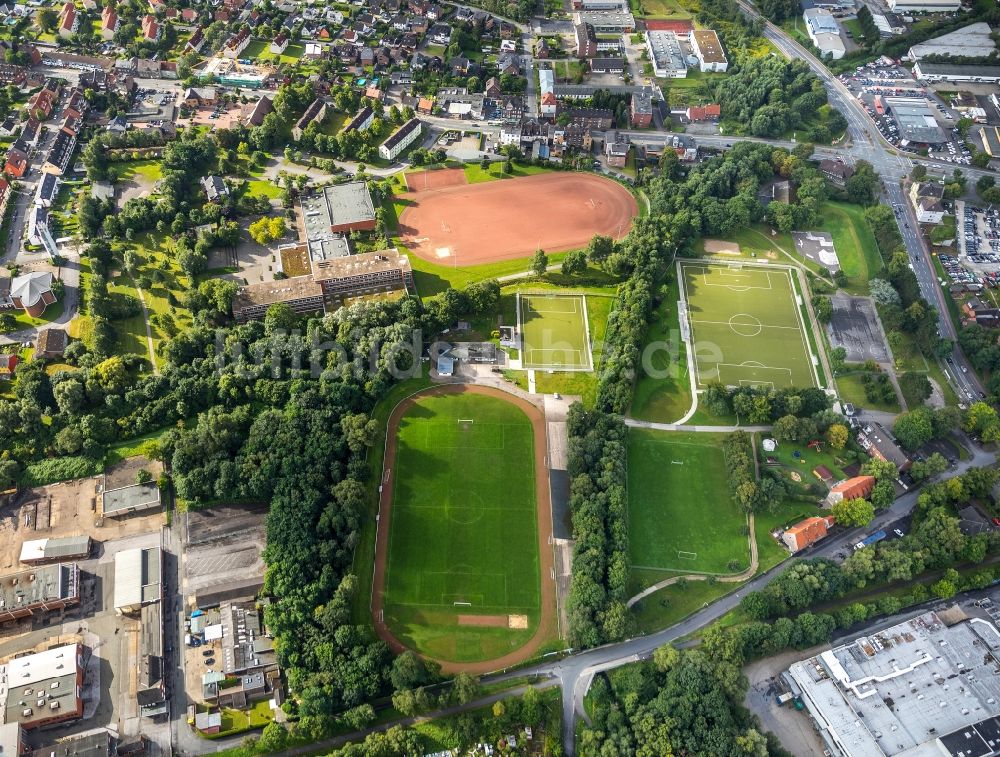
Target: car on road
898	533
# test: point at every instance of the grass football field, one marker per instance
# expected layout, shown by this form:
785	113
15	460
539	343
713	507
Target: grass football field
463	537
554	332
681	516
746	326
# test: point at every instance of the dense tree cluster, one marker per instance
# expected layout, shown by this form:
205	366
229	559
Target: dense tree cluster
681	703
761	405
749	493
599	503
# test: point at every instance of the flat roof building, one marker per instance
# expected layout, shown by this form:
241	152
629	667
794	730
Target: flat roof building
708	49
607	21
924	6
917	688
43	688
301	293
916	121
956	72
365	273
824	31
43	589
97	744
665	54
972	41
348	207
137	578
126	500
38	551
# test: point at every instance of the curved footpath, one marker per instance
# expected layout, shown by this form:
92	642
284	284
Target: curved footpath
547	596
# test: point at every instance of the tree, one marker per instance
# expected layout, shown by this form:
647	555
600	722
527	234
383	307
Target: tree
883	292
882	495
823	308
46	19
837	435
407	671
574	262
786	428
464	688
539	263
280	318
914	429
853	512
882	470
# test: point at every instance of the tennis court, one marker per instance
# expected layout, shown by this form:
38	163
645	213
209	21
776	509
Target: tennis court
745	325
554	332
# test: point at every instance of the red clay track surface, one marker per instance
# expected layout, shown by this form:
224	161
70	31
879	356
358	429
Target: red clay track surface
425	181
511	218
547	627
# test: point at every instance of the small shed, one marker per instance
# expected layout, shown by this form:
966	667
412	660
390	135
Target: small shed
823	473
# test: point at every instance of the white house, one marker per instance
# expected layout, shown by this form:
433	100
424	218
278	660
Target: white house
824	31
402	138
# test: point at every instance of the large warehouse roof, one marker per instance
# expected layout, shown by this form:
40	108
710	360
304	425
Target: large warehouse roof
898	690
972	41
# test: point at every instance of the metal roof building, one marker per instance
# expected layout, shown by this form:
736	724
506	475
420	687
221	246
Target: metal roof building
126	500
972	41
137	578
916	120
36	551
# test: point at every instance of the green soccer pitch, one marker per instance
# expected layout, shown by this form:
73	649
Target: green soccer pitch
554	332
681	514
463	537
746	326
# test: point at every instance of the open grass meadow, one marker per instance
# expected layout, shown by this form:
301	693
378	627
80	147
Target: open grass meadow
681	516
464	534
746	326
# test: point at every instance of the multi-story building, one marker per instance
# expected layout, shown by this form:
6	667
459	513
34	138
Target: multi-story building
708	49
39	591
402	138
43	688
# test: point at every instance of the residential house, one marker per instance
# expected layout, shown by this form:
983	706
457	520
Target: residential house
215	188
641	109
976	310
440	34
44	100
17	161
316	112
878	443
836	171
361	121
260	110
616	150
586	40
697	113
927	201
150	28
548	105
59	154
189	15
109	22
51	344
236	44
279	44
12	74
492	88
68	21
195	41
806	532
614	66
510	64
857	487
199	97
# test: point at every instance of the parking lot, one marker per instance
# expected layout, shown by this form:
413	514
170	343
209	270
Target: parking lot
875	82
979	234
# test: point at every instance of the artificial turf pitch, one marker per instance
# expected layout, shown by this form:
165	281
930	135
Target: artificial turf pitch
463	538
681	514
746	326
554	332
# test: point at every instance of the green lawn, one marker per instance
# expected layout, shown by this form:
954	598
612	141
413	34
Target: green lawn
855	244
851	389
748	325
291	55
664	397
464	533
662	9
674	603
261	188
151	170
255	48
474	173
554	332
681	515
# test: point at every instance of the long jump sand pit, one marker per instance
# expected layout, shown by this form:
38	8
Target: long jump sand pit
511	218
426	181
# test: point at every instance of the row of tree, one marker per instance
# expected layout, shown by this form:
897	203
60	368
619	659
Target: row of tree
598	449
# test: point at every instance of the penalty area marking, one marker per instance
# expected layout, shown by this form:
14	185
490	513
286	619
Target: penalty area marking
681	555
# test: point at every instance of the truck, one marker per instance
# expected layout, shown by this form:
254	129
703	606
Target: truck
869	540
